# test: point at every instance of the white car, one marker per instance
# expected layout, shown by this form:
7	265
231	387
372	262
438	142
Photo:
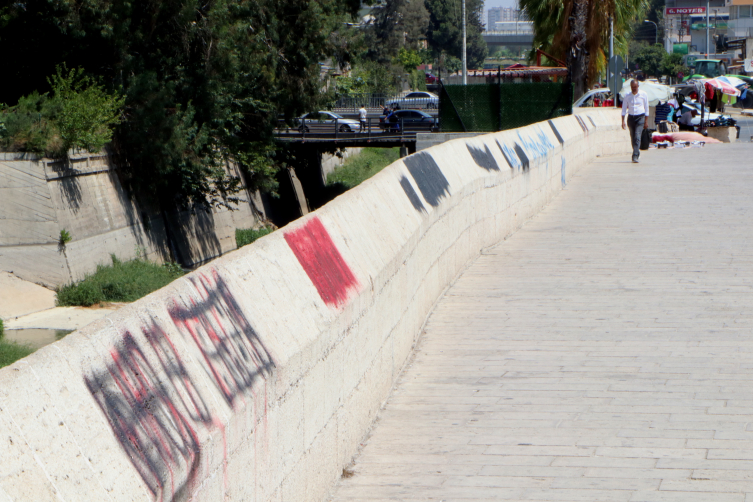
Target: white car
417	99
324	121
587	100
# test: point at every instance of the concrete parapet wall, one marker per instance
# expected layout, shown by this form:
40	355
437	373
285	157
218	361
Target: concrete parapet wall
256	376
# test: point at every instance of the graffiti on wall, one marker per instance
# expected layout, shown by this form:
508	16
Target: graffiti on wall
510	156
322	262
412	195
483	158
428	177
150	397
556	132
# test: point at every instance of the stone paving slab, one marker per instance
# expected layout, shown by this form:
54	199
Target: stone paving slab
603	352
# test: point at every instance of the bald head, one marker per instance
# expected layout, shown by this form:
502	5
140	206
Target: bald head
634	86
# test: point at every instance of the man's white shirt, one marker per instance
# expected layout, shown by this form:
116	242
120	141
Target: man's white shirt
635	104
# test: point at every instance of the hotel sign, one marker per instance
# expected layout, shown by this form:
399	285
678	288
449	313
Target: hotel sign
685	11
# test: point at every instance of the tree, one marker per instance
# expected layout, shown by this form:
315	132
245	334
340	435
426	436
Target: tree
578	31
204	81
649	59
397	24
672	65
446	30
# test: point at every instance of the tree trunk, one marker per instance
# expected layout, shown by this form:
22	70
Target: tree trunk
577	57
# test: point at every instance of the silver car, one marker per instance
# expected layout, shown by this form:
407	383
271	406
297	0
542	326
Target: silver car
324	121
417	99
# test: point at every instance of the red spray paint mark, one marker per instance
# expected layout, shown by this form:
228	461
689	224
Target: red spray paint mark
322	262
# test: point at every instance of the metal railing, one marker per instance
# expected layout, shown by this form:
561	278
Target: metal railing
373	129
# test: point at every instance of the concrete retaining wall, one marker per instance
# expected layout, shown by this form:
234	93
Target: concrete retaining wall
41	197
255	377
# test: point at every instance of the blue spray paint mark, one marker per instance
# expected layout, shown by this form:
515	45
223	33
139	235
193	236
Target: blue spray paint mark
564	178
510	156
540	145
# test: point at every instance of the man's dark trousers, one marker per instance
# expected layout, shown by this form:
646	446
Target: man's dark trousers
635	125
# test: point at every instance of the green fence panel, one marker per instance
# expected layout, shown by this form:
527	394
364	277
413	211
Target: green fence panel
474	106
528	103
494	107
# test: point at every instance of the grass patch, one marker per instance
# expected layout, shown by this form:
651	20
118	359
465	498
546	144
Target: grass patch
10	352
120	282
363	166
245	236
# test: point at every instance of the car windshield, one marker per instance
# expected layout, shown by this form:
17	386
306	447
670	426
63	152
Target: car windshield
334	115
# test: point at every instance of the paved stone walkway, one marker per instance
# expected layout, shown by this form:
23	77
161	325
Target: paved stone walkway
603	352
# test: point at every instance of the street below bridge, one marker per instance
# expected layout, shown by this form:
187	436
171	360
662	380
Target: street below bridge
602	352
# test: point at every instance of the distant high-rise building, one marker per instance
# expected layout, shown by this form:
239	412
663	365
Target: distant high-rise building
500	14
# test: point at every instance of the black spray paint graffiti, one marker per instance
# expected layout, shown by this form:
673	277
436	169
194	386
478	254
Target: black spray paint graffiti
411	194
428	176
522	156
148	396
556	132
483	158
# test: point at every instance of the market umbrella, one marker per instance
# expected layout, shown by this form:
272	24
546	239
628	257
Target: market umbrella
723	86
733	81
655	92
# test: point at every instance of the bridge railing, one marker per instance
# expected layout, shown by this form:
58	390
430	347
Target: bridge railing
346	129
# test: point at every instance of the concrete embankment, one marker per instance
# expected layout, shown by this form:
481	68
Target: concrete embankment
256	376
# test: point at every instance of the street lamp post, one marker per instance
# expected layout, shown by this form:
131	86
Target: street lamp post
656	31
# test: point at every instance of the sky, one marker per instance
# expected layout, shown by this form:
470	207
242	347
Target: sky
490	4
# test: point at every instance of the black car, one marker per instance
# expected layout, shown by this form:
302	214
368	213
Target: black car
410	121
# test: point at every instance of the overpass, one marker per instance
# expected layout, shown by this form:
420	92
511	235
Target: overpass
509	39
610	329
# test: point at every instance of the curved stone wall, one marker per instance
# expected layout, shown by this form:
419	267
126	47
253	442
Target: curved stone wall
256	376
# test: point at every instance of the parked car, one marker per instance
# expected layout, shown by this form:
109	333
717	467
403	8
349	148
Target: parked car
431	79
412	121
324	121
587	100
417	99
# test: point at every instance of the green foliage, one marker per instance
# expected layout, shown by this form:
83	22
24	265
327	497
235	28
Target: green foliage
418	80
445	32
672	65
397	24
119	282
408	59
649	59
10	352
204	82
85	111
80	114
363	166
65	237
244	236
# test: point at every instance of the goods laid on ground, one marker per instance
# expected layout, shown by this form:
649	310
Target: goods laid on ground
687	136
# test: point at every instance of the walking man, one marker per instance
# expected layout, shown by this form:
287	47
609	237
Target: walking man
635	106
362	117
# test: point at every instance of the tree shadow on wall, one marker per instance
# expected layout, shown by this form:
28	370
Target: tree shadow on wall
67	178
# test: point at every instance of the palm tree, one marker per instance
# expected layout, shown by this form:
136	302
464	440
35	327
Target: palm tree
578	31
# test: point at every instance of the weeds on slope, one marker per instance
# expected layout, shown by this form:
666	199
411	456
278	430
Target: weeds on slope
119	282
363	166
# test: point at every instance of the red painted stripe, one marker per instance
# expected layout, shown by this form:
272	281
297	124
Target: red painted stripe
322	262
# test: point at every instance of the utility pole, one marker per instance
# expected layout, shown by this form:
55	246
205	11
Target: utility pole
612	84
707	29
465	60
